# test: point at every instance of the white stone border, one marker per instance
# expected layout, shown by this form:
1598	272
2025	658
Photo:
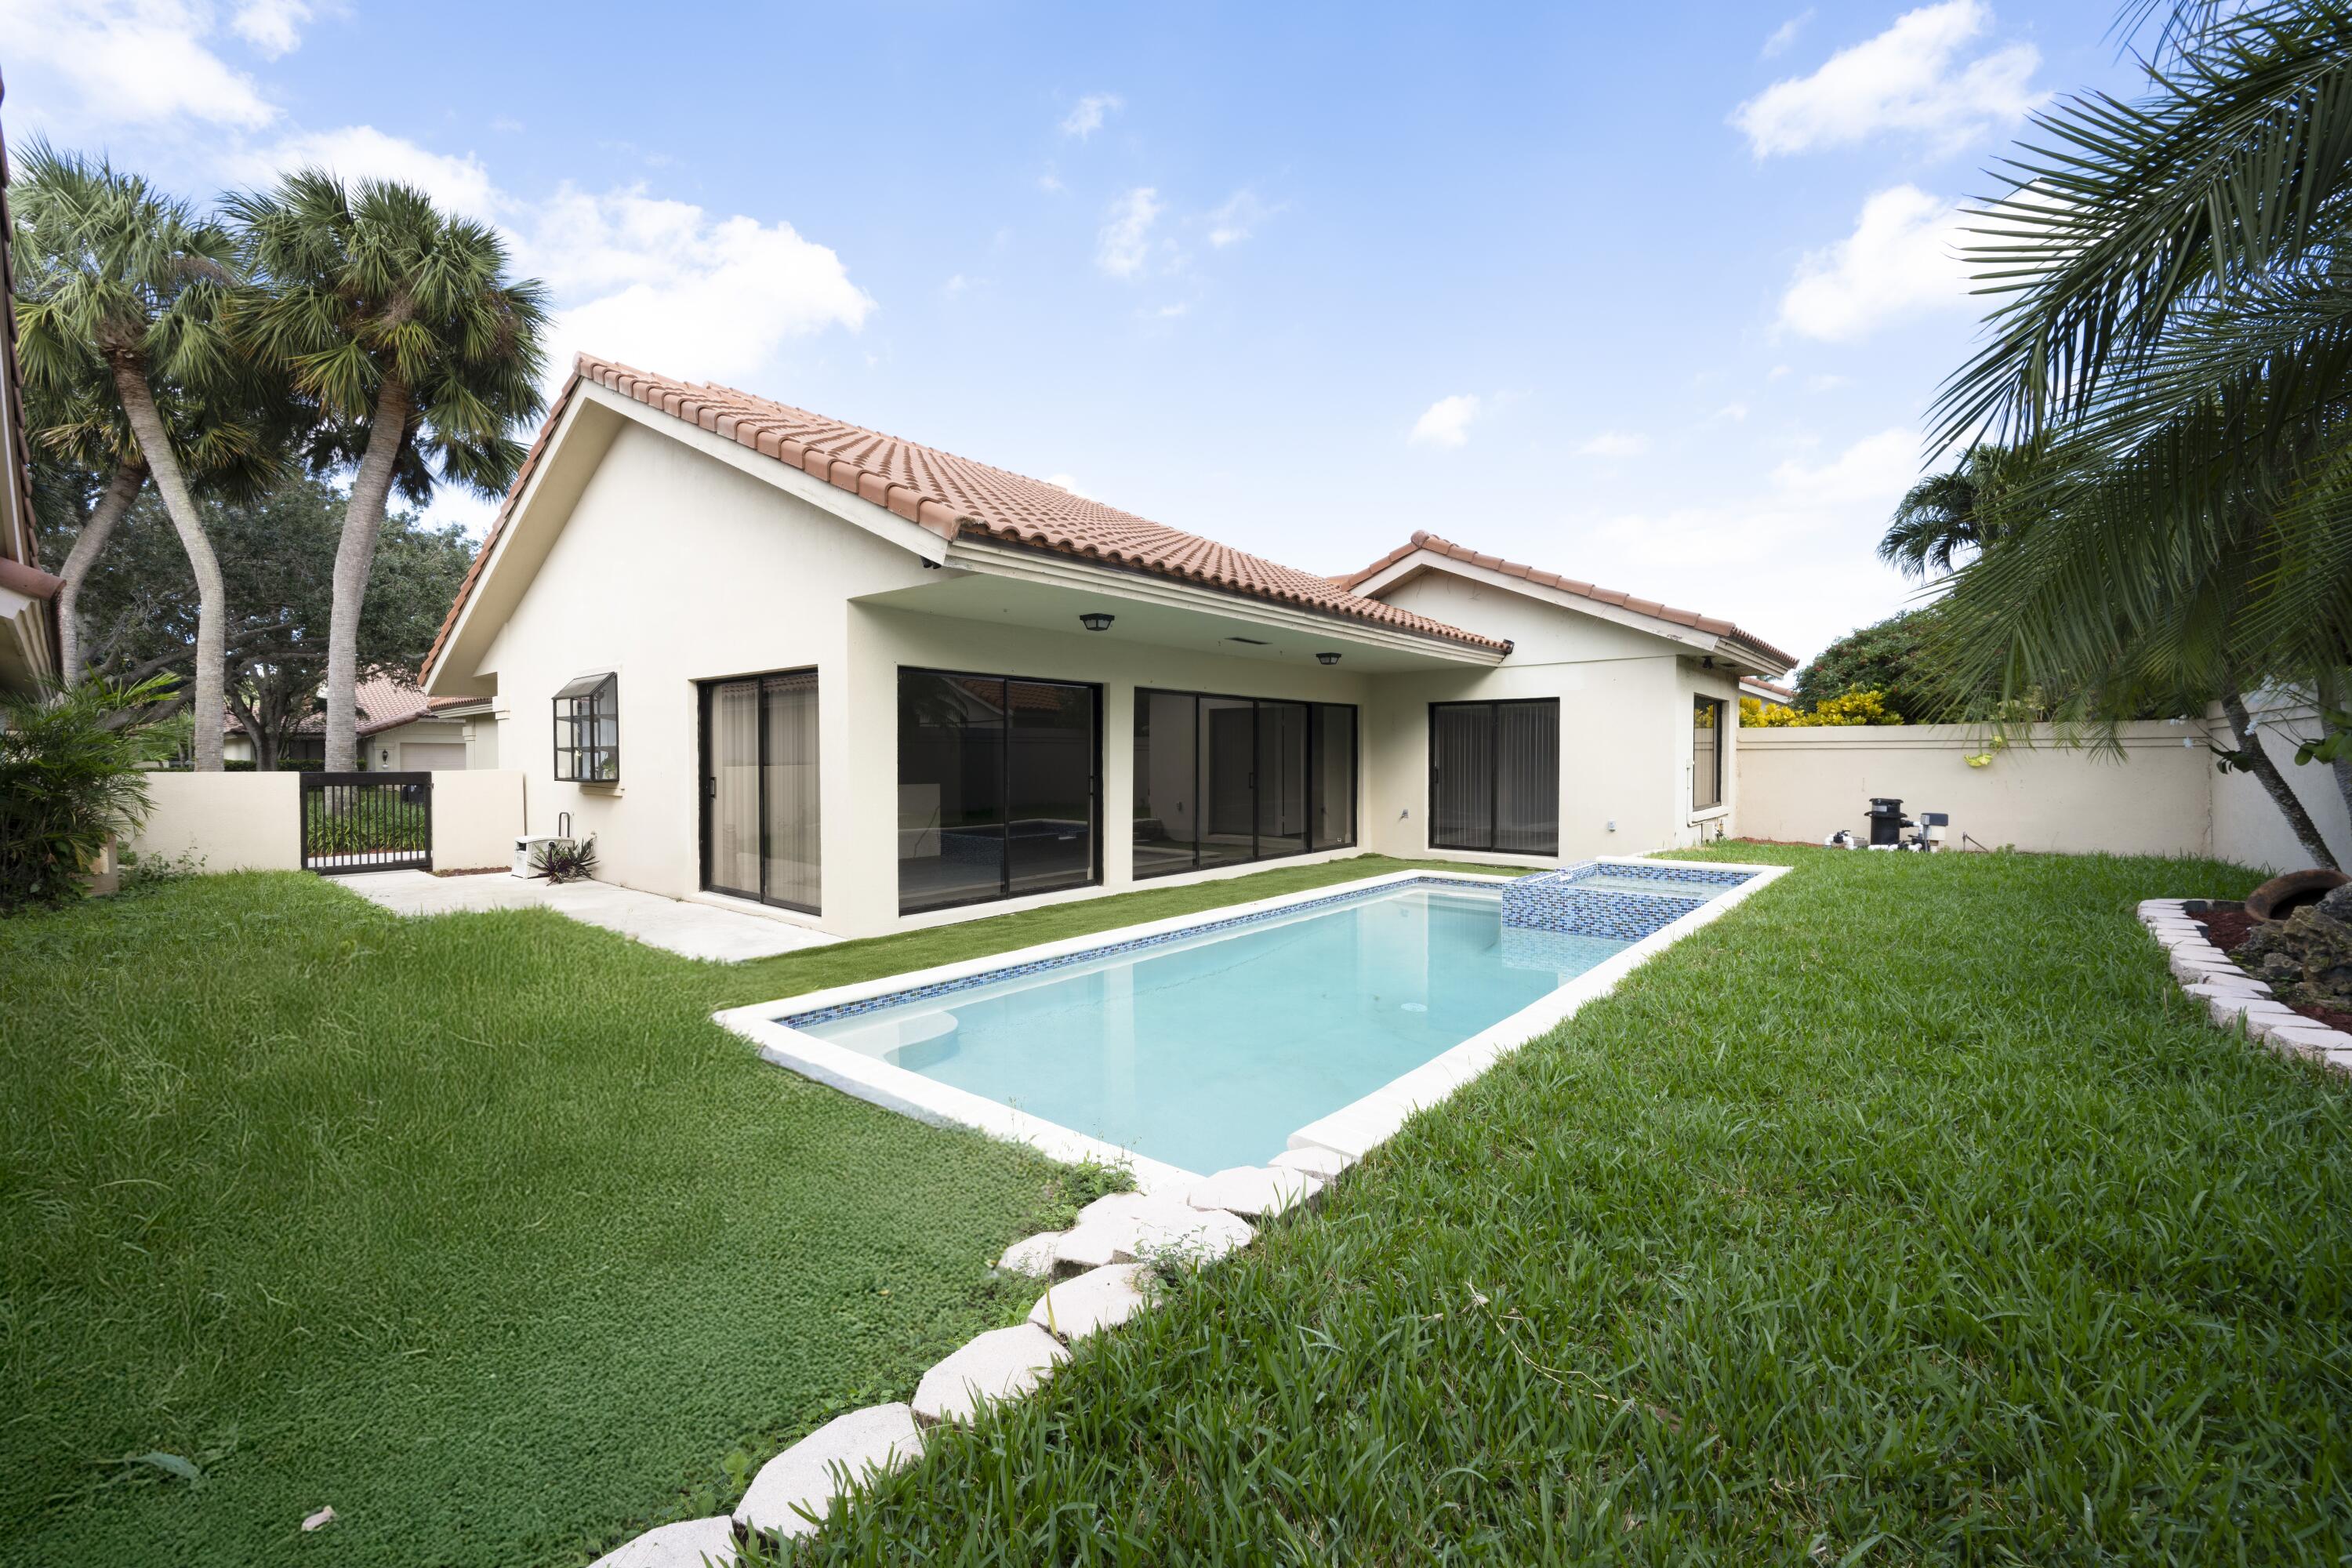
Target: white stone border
1350	1132
2231	996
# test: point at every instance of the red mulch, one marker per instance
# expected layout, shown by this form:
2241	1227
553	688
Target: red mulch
2225	928
471	870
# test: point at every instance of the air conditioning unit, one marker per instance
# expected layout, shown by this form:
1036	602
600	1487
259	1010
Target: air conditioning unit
525	845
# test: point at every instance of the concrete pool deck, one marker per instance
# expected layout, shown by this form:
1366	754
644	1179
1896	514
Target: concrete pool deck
689	930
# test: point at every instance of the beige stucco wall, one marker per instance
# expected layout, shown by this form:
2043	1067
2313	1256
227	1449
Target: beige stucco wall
232	822
477	814
1626	708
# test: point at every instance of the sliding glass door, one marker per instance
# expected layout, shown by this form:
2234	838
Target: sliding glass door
1493	776
760	825
999	785
1220	780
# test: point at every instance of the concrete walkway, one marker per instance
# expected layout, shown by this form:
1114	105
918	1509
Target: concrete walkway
695	930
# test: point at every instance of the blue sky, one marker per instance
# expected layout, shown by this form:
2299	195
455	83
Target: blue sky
1654	296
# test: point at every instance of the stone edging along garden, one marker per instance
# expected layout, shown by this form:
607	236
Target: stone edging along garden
2231	996
1105	1269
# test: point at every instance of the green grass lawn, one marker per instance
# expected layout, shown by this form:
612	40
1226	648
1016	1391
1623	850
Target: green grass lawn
1909	1214
473	1228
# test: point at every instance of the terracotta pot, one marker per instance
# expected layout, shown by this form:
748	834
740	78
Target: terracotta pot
2281	896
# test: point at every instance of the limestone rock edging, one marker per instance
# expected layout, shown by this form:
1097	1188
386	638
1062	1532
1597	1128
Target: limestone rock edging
2234	997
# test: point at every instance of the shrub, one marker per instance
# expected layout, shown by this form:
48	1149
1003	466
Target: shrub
1852	708
565	860
72	779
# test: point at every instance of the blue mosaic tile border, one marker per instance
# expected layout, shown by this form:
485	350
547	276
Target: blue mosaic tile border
1696	874
1063	960
1557	901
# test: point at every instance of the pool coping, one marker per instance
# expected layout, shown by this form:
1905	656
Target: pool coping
1351	1131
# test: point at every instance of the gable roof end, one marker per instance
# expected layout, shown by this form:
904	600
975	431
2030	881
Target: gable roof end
1711	625
955	498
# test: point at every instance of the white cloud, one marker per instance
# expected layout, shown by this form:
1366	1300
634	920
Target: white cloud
1902	257
135	61
1734	412
272	26
1050	184
457	182
1447	422
1875	470
665	285
1125	243
1067	482
957	284
1086	117
1786	33
1241	213
1910	78
1612	443
1170	312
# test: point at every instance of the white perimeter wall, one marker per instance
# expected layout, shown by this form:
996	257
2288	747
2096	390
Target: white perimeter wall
2162	796
251	822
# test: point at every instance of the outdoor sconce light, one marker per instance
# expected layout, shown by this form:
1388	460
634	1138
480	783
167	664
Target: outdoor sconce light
1326	658
1095	621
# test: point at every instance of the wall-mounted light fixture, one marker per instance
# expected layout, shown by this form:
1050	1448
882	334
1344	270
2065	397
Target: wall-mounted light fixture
1326	656
1095	621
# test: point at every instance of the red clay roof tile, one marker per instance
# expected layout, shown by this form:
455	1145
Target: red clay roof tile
955	497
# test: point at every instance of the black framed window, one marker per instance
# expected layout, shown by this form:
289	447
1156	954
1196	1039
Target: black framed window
1000	785
588	730
1493	776
762	825
1706	752
1220	781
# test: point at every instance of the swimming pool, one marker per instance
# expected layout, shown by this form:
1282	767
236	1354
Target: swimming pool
1195	1045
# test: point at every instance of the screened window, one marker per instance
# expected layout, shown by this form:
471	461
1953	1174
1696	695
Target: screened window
999	787
588	730
760	825
1706	753
1493	776
1220	780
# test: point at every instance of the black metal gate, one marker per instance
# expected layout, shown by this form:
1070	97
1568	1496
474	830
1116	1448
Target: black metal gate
367	822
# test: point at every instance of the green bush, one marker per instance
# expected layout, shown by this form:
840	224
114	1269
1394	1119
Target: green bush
72	778
367	827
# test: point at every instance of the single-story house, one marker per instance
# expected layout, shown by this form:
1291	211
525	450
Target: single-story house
784	663
400	730
29	595
1767	691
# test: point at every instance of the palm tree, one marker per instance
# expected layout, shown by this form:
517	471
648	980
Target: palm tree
1946	518
2172	339
402	325
120	287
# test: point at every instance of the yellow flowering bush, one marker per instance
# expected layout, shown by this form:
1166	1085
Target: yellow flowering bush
1852	708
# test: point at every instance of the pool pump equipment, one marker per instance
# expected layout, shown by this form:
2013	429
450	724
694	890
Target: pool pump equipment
1887	825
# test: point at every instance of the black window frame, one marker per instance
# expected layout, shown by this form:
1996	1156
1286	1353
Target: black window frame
1494	777
1355	764
706	786
593	698
1004	786
1699	700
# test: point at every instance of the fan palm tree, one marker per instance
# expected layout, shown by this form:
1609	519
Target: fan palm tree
119	289
421	353
2172	339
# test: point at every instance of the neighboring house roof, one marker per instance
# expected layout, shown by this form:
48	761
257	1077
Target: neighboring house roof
1781	694
383	703
955	498
1711	625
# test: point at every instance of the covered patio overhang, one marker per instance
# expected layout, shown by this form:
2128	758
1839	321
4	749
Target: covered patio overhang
1009	585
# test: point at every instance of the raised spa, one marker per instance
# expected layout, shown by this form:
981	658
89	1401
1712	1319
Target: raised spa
1203	1045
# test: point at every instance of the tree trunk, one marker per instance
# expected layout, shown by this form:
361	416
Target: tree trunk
112	502
354	559
2329	689
2258	763
210	683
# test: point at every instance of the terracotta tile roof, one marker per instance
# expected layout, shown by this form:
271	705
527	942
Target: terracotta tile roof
384	704
958	498
1781	694
1710	624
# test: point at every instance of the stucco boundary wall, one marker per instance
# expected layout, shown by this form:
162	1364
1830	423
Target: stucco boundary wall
2162	795
251	822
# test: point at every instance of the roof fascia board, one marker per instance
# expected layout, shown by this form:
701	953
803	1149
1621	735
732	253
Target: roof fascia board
1422	561
1068	570
880	520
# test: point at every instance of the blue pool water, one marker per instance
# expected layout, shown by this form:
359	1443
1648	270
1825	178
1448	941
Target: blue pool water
1212	1051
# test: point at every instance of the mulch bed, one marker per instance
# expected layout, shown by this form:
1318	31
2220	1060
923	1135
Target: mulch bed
470	871
2225	928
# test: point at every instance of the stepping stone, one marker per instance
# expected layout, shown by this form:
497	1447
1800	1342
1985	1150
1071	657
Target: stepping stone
1095	1245
690	1543
1202	1236
878	1438
1003	1364
1322	1164
1109	1227
1033	1255
1254	1191
1098	1299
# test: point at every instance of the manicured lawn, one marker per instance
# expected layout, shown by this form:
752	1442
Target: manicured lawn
1908	1215
473	1228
